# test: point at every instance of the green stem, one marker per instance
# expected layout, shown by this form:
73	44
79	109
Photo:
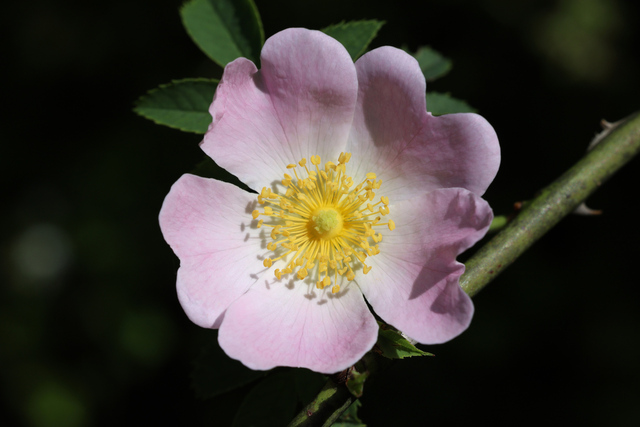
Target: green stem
552	204
325	409
555	202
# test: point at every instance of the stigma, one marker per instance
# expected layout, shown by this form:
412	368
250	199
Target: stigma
322	225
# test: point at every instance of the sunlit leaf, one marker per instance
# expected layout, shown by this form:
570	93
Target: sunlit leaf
224	29
432	63
443	103
355	35
355	382
394	346
181	104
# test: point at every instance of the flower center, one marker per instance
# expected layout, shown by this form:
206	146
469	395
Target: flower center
327	223
321	225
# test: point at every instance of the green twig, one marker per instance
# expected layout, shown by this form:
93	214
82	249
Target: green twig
325	409
553	203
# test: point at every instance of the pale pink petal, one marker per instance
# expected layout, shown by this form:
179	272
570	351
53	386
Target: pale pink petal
274	325
410	150
413	282
299	104
207	223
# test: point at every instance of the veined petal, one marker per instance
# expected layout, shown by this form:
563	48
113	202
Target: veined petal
274	325
301	103
413	283
206	223
410	150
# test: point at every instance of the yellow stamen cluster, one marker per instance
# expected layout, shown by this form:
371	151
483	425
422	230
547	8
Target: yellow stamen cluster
322	225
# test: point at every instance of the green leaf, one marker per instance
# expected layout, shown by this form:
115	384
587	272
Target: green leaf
181	104
349	418
224	29
394	346
215	373
443	103
271	403
432	64
354	35
355	382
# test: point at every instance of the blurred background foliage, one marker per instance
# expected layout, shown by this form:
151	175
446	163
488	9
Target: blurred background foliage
91	332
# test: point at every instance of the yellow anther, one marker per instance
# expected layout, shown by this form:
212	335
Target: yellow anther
291	166
302	273
392	225
344	157
278	274
260	223
268	210
385	200
377	184
255	214
272	246
267	262
326	281
371	175
329	166
315	160
384	210
366	269
302	162
335	289
351	275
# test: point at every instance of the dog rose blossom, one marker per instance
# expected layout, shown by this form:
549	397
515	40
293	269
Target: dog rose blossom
362	197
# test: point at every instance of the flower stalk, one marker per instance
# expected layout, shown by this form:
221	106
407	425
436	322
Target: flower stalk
553	203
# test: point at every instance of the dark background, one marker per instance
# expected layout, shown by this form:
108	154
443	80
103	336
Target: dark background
91	333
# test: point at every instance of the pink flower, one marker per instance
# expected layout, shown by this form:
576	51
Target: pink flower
363	194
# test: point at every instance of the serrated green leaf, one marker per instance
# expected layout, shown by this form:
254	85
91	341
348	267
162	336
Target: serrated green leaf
215	373
443	103
432	63
394	346
224	29
181	104
271	403
354	35
349	418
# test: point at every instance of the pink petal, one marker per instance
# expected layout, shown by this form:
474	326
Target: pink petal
207	224
413	283
410	150
299	104
274	325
